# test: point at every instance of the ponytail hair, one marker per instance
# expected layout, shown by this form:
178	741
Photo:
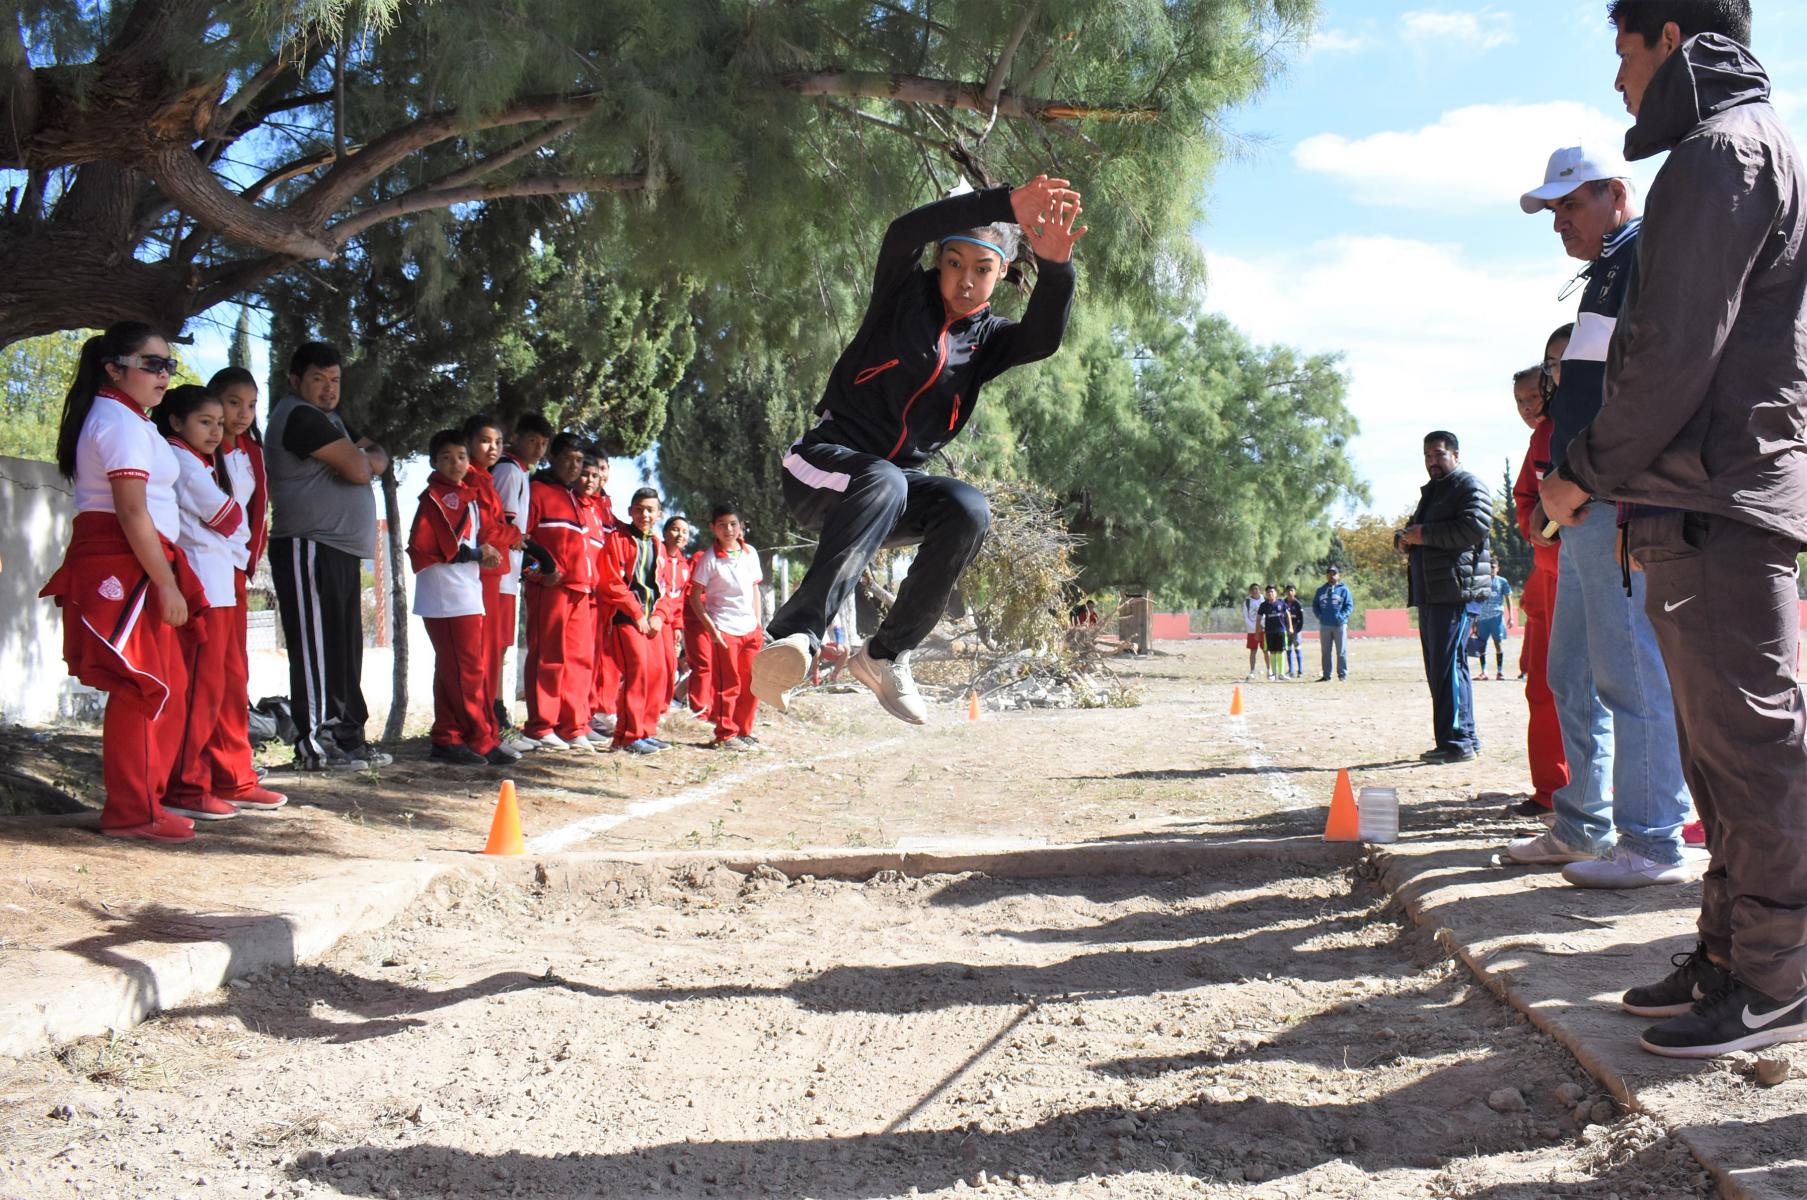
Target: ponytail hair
120	339
227	377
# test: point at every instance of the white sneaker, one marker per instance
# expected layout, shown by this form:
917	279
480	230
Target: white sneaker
520	743
780	667
584	741
1248	677
892	683
1545	848
1622	868
603	723
551	741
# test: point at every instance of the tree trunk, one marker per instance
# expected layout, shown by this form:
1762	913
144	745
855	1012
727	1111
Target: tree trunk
398	610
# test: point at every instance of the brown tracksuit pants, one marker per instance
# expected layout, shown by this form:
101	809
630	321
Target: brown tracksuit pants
1721	594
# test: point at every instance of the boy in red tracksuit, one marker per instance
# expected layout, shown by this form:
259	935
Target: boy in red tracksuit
483	446
512	477
606	674
628	588
559	640
725	596
1537	602
676	582
699	649
446	551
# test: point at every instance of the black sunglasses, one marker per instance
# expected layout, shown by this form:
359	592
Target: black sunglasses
156	364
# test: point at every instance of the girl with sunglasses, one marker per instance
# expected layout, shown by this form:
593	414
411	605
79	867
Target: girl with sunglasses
125	588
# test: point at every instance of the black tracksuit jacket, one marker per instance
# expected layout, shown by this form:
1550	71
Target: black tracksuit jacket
909	381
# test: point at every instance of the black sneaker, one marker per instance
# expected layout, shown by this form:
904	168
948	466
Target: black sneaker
1734	1017
1695	977
501	756
330	759
1452	755
1531	808
457	756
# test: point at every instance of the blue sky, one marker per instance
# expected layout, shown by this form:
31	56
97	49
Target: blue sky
1374	209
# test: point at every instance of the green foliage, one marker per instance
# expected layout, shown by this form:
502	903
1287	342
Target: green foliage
1513	554
1373	569
1019	586
34	375
1187	458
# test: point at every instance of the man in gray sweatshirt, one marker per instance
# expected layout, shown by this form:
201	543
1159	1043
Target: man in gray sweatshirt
1703	434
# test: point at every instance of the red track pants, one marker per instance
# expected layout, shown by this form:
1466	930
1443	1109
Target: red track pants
492	641
191	775
700	649
561	630
637	704
735	703
606	691
461	713
668	635
227	755
1543	737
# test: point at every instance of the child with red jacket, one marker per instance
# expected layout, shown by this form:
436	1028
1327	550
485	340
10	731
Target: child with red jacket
445	549
559	639
676	582
599	517
629	590
699	650
512	477
483	446
1537	602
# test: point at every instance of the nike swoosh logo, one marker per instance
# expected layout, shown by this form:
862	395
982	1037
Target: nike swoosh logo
1669	608
1753	1021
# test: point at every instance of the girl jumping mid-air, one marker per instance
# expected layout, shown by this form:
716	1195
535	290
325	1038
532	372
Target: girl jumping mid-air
904	388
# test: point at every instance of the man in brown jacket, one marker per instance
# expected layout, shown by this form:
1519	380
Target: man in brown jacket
1702	435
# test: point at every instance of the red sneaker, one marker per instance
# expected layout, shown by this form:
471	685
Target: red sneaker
260	798
168	827
1694	833
205	807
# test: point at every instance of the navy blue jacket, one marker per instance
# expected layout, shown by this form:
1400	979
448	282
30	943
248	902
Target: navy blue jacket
909	381
1332	604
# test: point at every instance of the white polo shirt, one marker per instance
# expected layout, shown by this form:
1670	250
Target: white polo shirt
119	442
730	581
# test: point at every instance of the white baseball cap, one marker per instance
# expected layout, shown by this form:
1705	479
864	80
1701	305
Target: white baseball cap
1569	168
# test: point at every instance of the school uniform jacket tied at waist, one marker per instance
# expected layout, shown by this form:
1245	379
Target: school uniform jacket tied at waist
909	381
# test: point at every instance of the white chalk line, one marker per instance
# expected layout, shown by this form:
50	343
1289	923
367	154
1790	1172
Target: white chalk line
581	831
1290	796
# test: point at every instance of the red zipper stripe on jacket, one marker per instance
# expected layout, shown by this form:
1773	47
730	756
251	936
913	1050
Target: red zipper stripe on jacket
871	373
955	418
940	362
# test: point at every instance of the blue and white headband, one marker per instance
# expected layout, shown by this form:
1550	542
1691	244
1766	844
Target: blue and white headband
991	246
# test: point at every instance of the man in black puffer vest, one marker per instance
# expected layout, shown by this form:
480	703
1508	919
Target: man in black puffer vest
1446	548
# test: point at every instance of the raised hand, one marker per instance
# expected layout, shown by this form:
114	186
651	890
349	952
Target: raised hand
1052	232
1029	202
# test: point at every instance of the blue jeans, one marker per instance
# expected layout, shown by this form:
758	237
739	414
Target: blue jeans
1442	635
1612	698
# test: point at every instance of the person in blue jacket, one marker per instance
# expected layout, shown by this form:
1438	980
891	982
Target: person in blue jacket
906	386
1332	605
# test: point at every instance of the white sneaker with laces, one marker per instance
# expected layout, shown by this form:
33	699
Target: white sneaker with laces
583	741
780	667
1545	849
519	743
891	681
1622	868
551	741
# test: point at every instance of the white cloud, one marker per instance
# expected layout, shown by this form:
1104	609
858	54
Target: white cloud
1790	105
1337	41
1483	29
1430	338
1483	155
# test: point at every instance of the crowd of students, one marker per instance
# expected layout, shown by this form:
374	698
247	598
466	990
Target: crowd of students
172	498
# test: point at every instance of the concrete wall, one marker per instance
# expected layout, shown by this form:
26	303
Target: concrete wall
36	508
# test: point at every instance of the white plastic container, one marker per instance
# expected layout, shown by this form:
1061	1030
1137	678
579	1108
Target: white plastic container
1377	810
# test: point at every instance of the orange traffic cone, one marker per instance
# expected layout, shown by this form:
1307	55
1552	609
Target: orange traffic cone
1344	824
1236	703
972	706
505	830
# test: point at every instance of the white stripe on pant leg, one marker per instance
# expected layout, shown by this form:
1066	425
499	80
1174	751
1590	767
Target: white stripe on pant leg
305	726
320	633
814	476
310	636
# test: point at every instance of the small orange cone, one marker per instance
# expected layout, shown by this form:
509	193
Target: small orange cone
1236	703
1344	824
505	830
972	706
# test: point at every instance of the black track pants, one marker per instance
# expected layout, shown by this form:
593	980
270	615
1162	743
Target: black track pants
318	591
860	504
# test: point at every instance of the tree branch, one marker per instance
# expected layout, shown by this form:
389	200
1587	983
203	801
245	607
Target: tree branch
350	176
289	170
994	87
947	93
902	130
501	158
199	193
428	198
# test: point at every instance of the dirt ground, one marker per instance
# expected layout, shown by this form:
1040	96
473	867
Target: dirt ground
1266	1026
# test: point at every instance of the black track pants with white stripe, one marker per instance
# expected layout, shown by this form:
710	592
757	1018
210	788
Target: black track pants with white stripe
860	504
318	591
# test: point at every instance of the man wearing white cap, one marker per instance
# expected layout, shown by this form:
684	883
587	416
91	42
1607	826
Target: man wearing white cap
1619	819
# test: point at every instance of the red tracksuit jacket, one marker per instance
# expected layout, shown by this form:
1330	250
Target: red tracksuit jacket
438	526
555	521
